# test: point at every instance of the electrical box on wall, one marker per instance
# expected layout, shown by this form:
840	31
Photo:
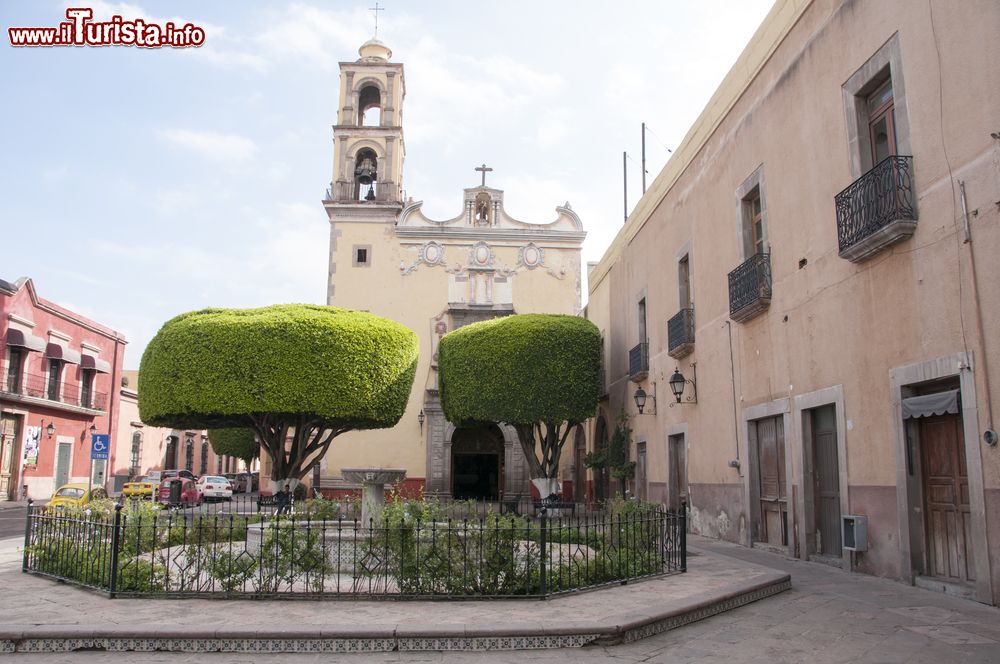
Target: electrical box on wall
855	532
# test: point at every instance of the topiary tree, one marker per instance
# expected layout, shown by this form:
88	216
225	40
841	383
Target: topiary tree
297	375
239	443
536	372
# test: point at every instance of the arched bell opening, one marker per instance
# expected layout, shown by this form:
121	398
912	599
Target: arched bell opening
365	175
370	107
477	462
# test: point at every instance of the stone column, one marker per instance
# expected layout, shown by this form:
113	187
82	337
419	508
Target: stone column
372	481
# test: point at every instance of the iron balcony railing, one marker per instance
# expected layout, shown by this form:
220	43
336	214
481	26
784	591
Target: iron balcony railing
139	551
344	192
873	202
38	387
638	361
750	287
680	334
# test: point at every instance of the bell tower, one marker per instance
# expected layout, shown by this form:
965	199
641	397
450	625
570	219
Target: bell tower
366	192
368	137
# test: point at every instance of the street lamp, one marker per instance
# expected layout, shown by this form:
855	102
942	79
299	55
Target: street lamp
420	419
677	382
51	429
93	429
640	399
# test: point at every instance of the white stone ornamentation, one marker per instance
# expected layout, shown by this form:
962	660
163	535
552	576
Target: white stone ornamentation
481	255
531	256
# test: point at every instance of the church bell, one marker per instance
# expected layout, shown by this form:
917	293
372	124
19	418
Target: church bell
365	172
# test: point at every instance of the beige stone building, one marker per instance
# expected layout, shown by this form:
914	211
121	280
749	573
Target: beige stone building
433	276
819	258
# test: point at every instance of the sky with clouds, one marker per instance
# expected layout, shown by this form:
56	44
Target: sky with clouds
136	184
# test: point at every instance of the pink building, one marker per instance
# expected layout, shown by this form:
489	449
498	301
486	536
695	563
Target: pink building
57	387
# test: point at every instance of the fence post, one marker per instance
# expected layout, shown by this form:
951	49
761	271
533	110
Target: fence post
543	525
27	537
115	545
684	529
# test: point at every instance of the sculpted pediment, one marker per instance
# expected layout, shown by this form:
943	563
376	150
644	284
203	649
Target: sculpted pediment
483	210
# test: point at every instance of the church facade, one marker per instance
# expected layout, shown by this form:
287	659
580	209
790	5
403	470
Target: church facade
389	258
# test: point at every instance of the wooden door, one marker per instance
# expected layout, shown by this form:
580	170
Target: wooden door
946	499
826	481
771	480
677	490
640	472
10	458
62	463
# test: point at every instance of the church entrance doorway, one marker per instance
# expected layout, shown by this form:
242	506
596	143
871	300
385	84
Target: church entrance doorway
477	462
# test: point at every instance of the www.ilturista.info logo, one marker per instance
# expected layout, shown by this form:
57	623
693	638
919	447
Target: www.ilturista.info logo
80	30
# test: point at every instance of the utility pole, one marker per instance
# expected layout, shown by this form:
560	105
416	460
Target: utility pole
643	157
625	182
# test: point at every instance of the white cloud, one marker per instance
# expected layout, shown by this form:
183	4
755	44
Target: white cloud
213	145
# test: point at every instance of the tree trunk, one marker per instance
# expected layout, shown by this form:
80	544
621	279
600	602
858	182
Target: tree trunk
295	445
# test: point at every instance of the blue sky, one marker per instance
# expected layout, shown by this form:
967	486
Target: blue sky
137	184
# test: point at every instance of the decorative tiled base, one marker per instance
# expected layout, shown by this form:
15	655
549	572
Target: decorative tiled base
674	622
389	644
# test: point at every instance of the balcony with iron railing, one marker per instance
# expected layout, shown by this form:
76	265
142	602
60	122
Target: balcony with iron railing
34	387
750	288
877	210
638	362
680	334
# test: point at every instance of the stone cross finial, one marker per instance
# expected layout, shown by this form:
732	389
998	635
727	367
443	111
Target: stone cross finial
484	170
376	9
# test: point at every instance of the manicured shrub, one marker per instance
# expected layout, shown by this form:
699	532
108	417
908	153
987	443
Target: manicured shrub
302	371
537	372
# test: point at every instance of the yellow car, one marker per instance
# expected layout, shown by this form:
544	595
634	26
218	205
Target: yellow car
141	488
75	495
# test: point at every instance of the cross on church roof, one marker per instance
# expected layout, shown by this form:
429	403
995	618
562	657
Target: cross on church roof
483	169
376	9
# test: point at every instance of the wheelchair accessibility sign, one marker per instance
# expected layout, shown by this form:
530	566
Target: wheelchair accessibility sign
99	444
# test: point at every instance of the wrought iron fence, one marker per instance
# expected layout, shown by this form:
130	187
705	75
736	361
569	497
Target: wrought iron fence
37	386
680	330
882	195
750	285
144	552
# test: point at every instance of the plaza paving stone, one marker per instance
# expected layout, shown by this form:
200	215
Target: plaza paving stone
827	616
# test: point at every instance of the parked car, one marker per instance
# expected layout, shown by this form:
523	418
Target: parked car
144	487
182	472
75	495
187	495
214	486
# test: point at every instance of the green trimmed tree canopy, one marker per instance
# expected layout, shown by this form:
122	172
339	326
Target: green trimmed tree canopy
224	367
521	369
239	443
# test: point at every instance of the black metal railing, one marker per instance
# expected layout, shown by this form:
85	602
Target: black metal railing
140	551
680	333
876	199
750	287
638	361
37	387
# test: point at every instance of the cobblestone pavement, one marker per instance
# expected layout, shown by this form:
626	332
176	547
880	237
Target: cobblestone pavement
828	616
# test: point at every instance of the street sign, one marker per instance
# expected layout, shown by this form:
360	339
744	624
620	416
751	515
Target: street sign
99	444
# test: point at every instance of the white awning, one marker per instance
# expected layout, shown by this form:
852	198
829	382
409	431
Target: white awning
929	405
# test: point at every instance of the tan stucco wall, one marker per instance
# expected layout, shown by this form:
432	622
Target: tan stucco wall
830	322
